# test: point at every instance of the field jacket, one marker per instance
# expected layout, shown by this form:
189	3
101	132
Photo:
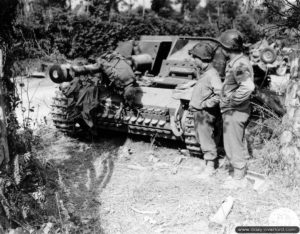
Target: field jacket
117	71
238	85
206	92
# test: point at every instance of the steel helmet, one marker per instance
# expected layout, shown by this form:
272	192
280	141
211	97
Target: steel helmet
204	51
231	39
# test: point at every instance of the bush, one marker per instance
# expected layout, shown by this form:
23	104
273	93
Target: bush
246	25
86	37
272	162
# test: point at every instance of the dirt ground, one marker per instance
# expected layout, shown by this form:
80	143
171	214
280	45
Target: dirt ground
115	184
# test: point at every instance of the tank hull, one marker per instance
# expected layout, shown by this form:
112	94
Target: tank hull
160	115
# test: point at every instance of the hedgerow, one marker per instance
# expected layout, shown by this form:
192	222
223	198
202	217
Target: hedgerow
86	37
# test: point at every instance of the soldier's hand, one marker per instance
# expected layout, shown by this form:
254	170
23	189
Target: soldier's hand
225	101
181	86
185	85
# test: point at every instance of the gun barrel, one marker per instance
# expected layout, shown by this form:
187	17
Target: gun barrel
86	69
62	73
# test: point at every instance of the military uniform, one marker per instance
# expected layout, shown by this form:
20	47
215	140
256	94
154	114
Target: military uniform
205	106
235	108
117	75
116	70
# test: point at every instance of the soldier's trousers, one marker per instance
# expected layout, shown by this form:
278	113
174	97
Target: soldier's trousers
235	144
204	127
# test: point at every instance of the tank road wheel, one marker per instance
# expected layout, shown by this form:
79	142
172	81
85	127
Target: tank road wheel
60	114
190	135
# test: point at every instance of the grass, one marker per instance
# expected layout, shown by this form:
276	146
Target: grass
270	160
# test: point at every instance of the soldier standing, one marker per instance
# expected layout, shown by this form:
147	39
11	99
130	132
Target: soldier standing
235	106
205	103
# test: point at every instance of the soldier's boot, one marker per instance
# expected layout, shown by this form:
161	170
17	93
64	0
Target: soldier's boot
238	180
208	171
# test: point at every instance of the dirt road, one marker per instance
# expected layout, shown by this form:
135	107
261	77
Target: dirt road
36	97
115	184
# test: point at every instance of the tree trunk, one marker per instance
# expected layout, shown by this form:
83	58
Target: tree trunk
4	152
209	18
290	138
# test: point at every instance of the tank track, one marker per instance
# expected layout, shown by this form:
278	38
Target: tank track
133	124
60	115
190	135
149	122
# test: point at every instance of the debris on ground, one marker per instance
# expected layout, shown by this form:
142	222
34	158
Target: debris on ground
259	181
220	216
137	167
184	152
178	160
144	212
152	158
125	152
150	220
174	170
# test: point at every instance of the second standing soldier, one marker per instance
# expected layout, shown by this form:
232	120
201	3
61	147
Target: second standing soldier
235	105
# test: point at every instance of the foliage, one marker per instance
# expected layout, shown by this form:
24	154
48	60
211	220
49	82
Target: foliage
162	7
8	10
189	5
22	175
246	25
88	37
73	36
283	13
285	169
217	10
103	8
26	193
263	136
230	8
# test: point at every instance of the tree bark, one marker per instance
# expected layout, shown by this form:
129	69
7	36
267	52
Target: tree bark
209	18
4	152
290	138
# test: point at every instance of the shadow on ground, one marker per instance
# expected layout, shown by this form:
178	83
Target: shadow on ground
84	168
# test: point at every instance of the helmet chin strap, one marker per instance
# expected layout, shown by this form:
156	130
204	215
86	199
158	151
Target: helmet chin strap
203	68
226	54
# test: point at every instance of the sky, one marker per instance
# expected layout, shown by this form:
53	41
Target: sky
141	2
147	3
